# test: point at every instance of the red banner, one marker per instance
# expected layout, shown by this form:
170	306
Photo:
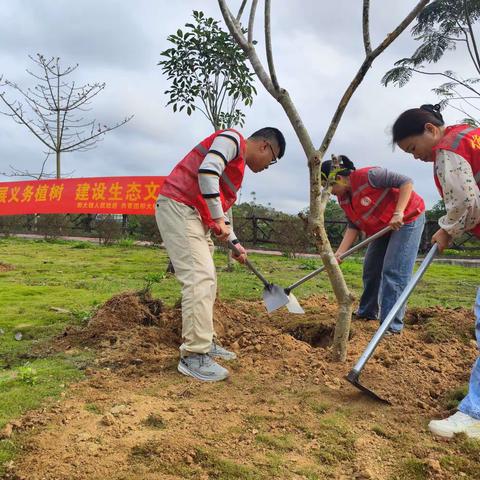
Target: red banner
129	195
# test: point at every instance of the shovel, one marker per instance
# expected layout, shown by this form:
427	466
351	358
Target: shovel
293	305
354	374
273	295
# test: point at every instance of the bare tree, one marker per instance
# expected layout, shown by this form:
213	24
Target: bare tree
58	108
16	172
318	196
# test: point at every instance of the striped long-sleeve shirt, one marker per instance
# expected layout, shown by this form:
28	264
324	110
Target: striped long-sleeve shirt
224	149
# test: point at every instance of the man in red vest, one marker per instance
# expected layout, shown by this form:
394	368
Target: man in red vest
193	201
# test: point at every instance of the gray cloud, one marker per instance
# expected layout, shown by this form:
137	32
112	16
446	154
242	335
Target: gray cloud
318	48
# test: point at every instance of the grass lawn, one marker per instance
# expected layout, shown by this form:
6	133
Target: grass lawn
53	284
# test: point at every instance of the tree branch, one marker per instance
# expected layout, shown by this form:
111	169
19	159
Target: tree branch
72	147
363	71
456	80
251	21
472	35
23	121
240	11
268	47
366	28
248	48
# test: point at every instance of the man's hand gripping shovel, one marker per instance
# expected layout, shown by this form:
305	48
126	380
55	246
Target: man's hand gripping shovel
273	295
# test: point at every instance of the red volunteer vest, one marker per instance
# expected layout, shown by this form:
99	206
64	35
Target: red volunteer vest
464	141
369	208
182	183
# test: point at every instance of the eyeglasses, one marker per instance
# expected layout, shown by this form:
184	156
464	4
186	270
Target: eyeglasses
274	157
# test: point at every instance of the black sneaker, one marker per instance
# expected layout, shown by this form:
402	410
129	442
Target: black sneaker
357	316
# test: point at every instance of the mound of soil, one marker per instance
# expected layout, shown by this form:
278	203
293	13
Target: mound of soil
6	267
136	334
149	422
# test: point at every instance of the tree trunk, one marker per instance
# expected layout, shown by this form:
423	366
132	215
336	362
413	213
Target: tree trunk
318	196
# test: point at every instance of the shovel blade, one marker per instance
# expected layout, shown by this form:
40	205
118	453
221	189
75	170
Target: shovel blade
293	305
353	378
274	298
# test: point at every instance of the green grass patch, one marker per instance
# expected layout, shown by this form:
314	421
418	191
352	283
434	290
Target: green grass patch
454	397
468	446
276	442
336	442
412	469
28	387
457	464
18	391
8	449
93	408
219	468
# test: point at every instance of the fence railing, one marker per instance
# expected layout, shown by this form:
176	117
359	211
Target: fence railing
287	234
284	233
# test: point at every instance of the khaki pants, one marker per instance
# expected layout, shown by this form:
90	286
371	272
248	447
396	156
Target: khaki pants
190	249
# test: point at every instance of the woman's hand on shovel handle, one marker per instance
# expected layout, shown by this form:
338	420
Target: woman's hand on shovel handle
442	239
396	221
337	257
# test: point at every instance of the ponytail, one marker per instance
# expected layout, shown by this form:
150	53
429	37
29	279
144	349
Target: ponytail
412	122
345	168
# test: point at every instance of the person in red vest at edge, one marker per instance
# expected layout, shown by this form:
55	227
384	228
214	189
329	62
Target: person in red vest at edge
455	153
373	198
192	202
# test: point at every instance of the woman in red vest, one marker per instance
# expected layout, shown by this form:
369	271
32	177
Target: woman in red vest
373	198
455	153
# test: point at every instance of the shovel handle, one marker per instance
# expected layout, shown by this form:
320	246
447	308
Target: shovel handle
370	348
237	252
358	246
216	230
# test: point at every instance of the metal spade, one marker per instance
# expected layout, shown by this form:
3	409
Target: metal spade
354	374
273	295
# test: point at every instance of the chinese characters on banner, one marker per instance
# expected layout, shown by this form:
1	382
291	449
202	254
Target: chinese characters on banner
128	195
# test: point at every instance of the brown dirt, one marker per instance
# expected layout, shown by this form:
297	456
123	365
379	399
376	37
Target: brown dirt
286	412
6	267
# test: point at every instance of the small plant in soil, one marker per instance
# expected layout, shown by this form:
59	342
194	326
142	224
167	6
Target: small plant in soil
27	374
154	421
148	450
93	408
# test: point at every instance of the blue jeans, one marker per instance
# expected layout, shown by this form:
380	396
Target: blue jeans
387	268
470	405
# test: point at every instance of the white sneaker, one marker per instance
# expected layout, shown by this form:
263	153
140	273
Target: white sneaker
457	423
202	367
219	352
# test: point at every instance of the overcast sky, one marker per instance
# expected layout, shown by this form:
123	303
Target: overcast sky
317	46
